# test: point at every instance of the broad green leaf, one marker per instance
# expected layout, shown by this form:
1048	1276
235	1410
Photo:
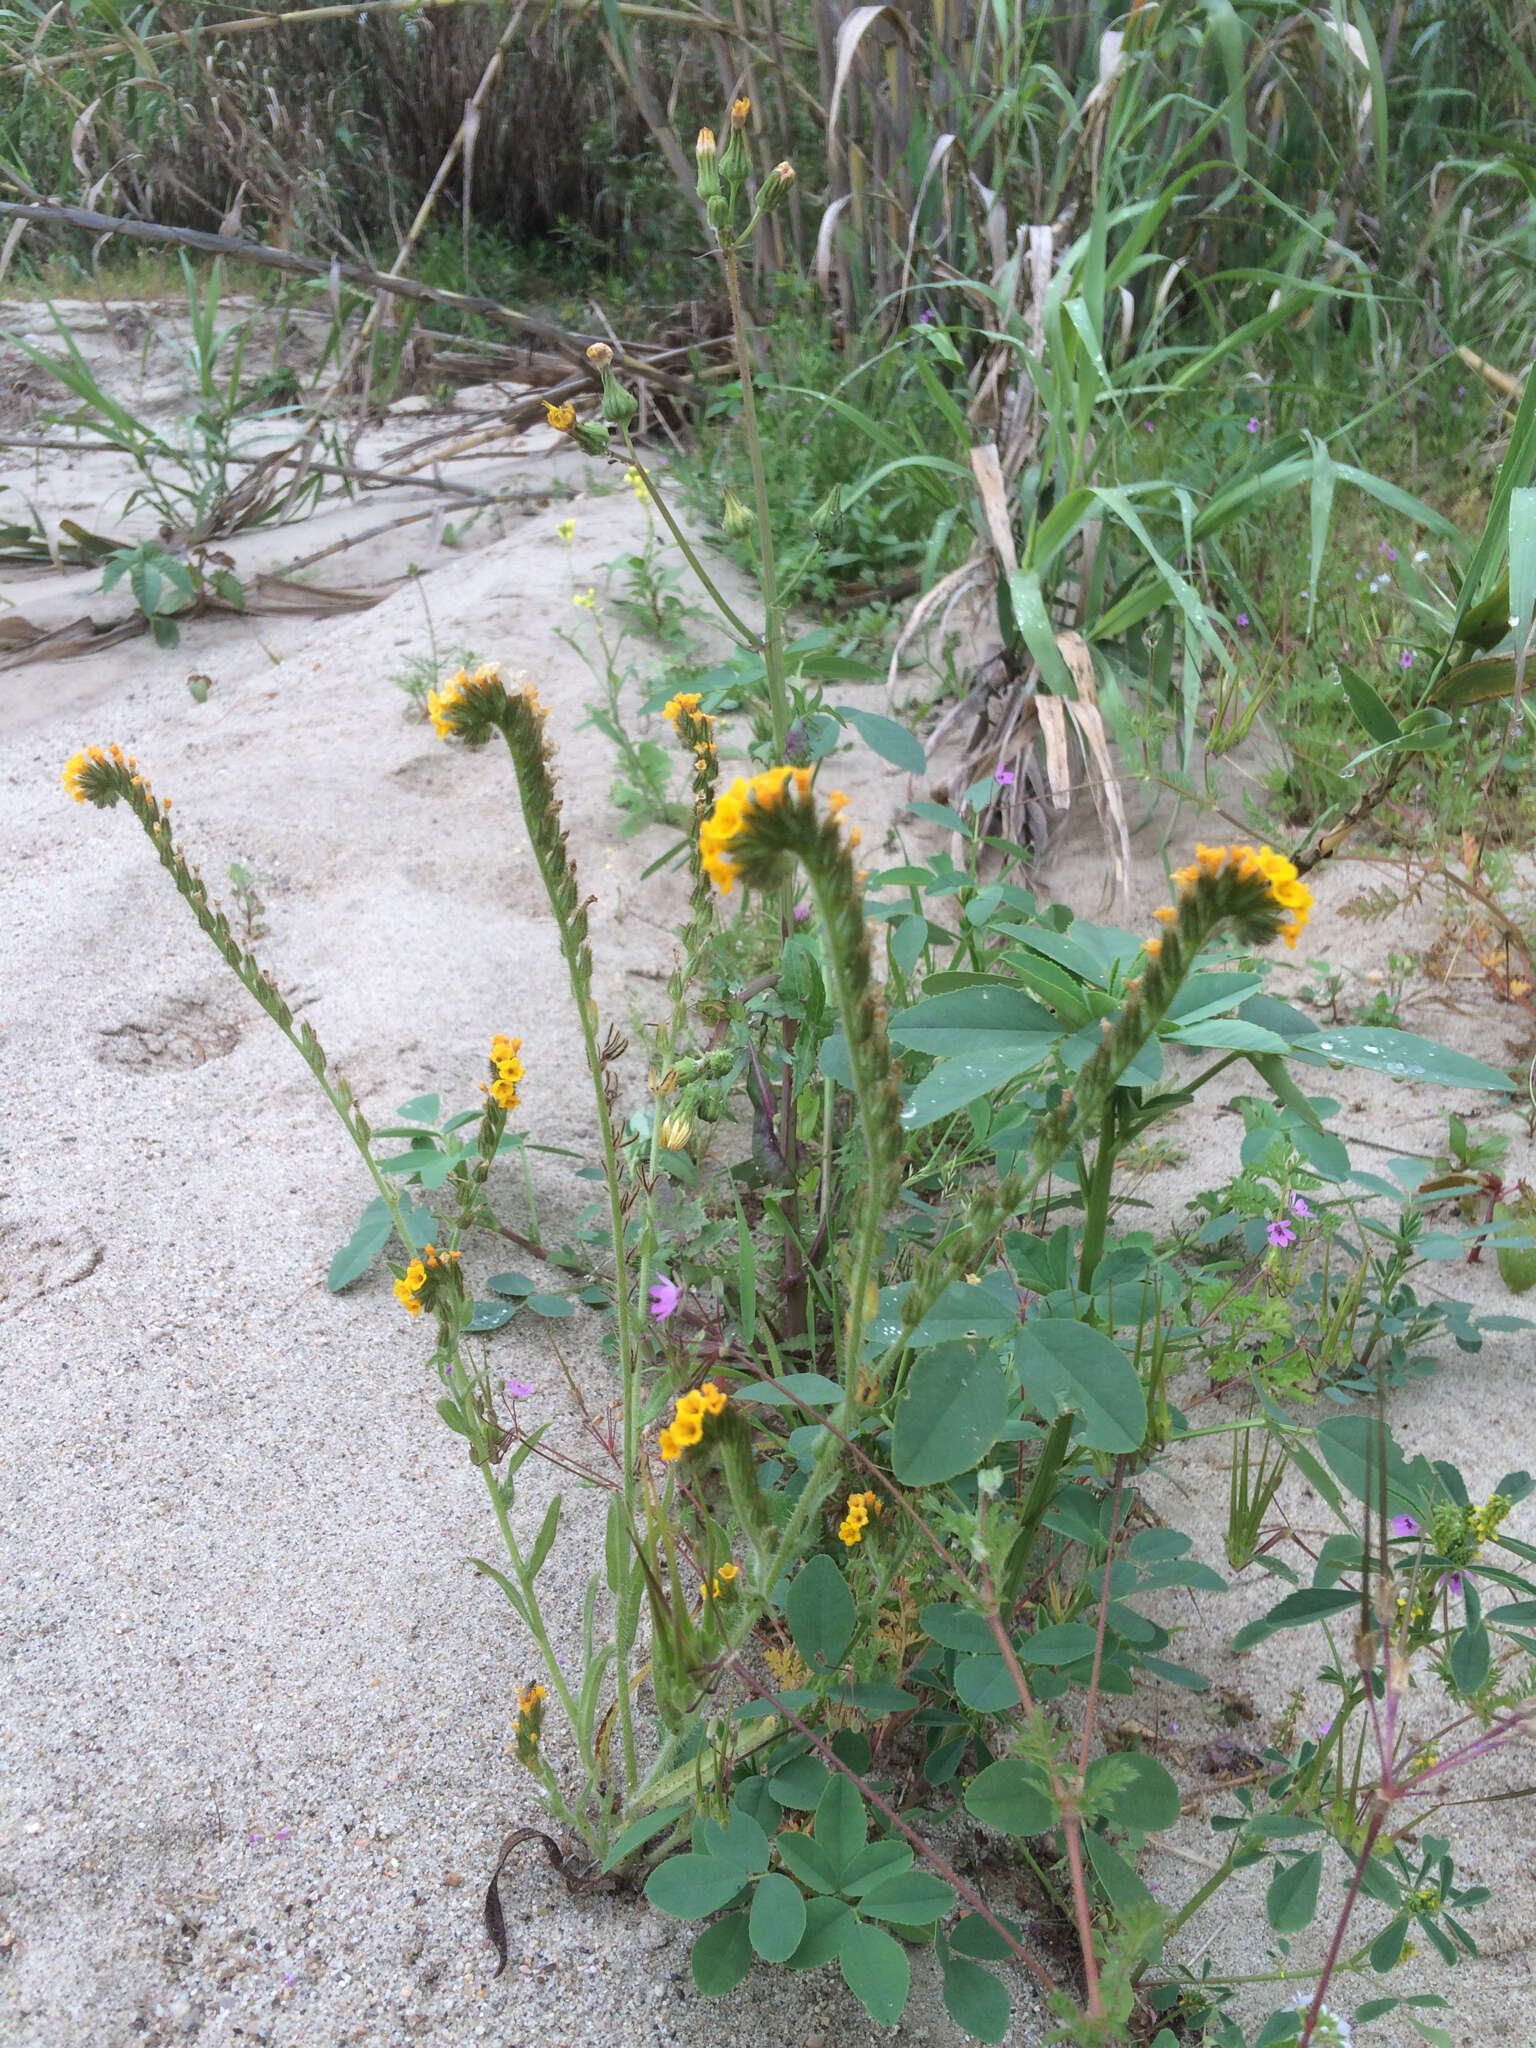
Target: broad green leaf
515	1285
1067	1365
1378	721
722	1955
986	1684
964	1312
873	1864
909	1897
421	1109
490	1315
841	1825
800	1783
777	1922
1229	1034
968	1018
960	1080
971	1935
554	1306
1291	1900
883	736
950	1416
1471	1656
688	1887
809	1861
975	2000
827	1921
1406	1057
876	1971
1296	1610
1122	1887
820	1613
1013	1797
1133	1790
364	1245
1061	1642
957	1627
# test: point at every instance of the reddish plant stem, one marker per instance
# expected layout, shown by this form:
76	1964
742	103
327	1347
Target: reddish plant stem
1091	1712
1373	1829
924	1849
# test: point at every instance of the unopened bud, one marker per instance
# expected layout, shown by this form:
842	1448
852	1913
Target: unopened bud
736	158
829	511
708	165
591	437
775	185
619	405
737	520
600	355
717	210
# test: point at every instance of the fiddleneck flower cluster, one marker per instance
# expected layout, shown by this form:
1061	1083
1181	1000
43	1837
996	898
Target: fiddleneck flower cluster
726	833
530	1721
509	1071
687	1426
856	1520
414	1284
1243	863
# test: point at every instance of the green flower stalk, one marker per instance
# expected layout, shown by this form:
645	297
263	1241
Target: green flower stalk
470	709
1258	893
105	776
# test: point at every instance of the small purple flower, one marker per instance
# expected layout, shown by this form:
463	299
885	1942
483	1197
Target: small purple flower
1451	1584
517	1390
1242	618
802	913
1298	1207
1404	1525
1005	776
1253	426
1282	1234
1405	659
665	1295
1323	1731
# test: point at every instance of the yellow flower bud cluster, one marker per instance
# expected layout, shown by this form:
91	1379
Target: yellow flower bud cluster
685	701
1242	863
530	1721
411	1287
687	1426
860	1507
509	1071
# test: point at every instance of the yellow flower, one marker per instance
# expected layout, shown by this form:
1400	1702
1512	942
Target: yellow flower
408	1287
638	485
440	708
509	1071
687	1426
732	816
713	1401
724	1576
76	769
860	1507
674	1133
587	603
685	700
740	109
561	417
566	530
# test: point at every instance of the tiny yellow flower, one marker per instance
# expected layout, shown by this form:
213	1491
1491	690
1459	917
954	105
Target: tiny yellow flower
732	816
561	417
408	1287
566	530
740	109
638	485
587	603
856	1520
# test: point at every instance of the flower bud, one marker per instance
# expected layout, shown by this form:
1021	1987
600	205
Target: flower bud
829	511
600	355
736	158
737	520
619	405
775	186
708	164
674	1133
717	210
591	437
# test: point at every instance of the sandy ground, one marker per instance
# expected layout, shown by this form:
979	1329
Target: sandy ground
258	1705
